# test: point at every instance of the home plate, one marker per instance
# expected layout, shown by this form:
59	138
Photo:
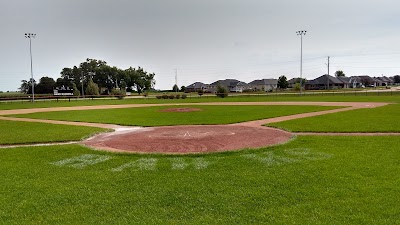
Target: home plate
189	139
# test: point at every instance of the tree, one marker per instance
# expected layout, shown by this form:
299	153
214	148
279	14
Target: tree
26	86
297	86
222	92
107	77
46	85
76	91
183	89
175	88
92	88
339	73
282	82
396	79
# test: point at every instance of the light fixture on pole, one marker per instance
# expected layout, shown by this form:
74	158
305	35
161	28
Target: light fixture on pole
301	33
30	36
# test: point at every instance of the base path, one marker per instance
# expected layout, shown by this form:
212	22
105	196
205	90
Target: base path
190	139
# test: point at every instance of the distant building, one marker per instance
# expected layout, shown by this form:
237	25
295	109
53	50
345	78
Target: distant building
325	81
293	81
263	84
195	87
231	85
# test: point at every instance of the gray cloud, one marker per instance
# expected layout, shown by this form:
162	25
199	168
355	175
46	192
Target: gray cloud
206	40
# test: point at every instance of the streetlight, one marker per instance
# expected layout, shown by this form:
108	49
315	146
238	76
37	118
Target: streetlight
30	36
301	33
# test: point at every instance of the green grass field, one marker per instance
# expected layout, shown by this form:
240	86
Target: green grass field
16	132
261	98
151	116
381	119
311	180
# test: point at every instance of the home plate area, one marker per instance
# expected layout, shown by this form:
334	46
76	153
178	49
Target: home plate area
188	139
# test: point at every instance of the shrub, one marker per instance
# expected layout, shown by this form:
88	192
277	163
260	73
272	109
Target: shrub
184	96
164	96
178	96
297	86
118	93
221	91
158	96
200	92
92	88
171	96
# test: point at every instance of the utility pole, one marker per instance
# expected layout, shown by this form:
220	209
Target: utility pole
30	36
176	81
328	71
301	33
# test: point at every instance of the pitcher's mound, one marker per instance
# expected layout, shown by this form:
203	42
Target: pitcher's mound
189	139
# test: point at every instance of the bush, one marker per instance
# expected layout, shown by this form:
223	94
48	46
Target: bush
158	96
184	96
178	96
118	93
200	92
297	86
165	96
221	92
92	88
171	96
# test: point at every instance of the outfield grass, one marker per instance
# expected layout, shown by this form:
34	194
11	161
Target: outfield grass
381	119
311	180
261	98
151	116
16	132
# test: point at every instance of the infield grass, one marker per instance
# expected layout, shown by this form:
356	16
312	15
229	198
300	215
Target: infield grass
16	132
380	119
151	116
311	180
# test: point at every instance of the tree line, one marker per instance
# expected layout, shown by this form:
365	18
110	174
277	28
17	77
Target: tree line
94	77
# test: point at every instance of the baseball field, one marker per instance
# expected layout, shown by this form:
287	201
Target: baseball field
252	160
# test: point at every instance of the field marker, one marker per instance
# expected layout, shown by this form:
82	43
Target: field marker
299	154
82	161
140	164
181	164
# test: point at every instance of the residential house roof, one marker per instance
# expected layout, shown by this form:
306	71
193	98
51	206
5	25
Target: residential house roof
228	82
264	82
324	80
345	80
196	85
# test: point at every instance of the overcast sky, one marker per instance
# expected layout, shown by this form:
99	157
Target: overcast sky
204	40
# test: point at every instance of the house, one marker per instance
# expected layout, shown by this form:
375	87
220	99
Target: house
365	81
383	81
323	81
346	81
231	85
293	81
264	84
196	86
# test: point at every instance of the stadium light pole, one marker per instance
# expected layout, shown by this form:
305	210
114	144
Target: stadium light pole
30	36
301	33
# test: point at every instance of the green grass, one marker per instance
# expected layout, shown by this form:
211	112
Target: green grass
16	132
381	119
270	98
341	180
151	116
